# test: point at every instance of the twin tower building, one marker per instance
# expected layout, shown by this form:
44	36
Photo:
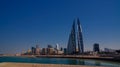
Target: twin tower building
75	42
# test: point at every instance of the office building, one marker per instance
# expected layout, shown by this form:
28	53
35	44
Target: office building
44	51
50	51
71	47
96	47
75	38
80	38
50	46
33	50
57	47
65	51
37	50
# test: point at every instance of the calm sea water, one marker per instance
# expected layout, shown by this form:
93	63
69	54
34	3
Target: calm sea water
59	61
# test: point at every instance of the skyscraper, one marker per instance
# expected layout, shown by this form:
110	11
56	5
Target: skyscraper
80	38
33	50
57	47
37	52
96	47
71	47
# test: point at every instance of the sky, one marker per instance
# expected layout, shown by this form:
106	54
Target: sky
26	23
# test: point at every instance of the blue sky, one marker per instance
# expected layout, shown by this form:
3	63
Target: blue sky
25	23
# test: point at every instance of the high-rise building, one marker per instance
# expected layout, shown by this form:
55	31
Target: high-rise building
50	46
37	51
57	47
80	38
28	51
96	47
65	51
33	50
61	49
50	51
71	47
44	51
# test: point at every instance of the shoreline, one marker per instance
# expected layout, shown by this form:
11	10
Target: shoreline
7	64
112	59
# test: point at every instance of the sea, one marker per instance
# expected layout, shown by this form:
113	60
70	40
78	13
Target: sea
67	61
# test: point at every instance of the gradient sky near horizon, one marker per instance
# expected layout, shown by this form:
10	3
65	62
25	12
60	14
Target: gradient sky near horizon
25	23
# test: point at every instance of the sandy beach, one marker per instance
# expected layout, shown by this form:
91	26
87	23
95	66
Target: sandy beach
6	64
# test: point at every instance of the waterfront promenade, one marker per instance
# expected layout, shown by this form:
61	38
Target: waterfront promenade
5	64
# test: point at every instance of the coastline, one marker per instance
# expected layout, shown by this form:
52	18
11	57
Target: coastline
113	59
7	64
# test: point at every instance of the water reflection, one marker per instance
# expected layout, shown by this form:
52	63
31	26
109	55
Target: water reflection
76	62
72	62
81	62
97	63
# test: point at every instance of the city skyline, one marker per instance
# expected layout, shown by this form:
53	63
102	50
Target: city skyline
26	23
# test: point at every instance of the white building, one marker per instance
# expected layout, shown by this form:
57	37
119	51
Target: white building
57	47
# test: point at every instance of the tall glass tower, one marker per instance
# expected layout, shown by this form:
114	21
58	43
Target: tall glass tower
80	38
71	47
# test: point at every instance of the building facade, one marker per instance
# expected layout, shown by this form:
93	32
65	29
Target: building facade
75	37
37	51
57	47
33	50
71	47
80	38
96	47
